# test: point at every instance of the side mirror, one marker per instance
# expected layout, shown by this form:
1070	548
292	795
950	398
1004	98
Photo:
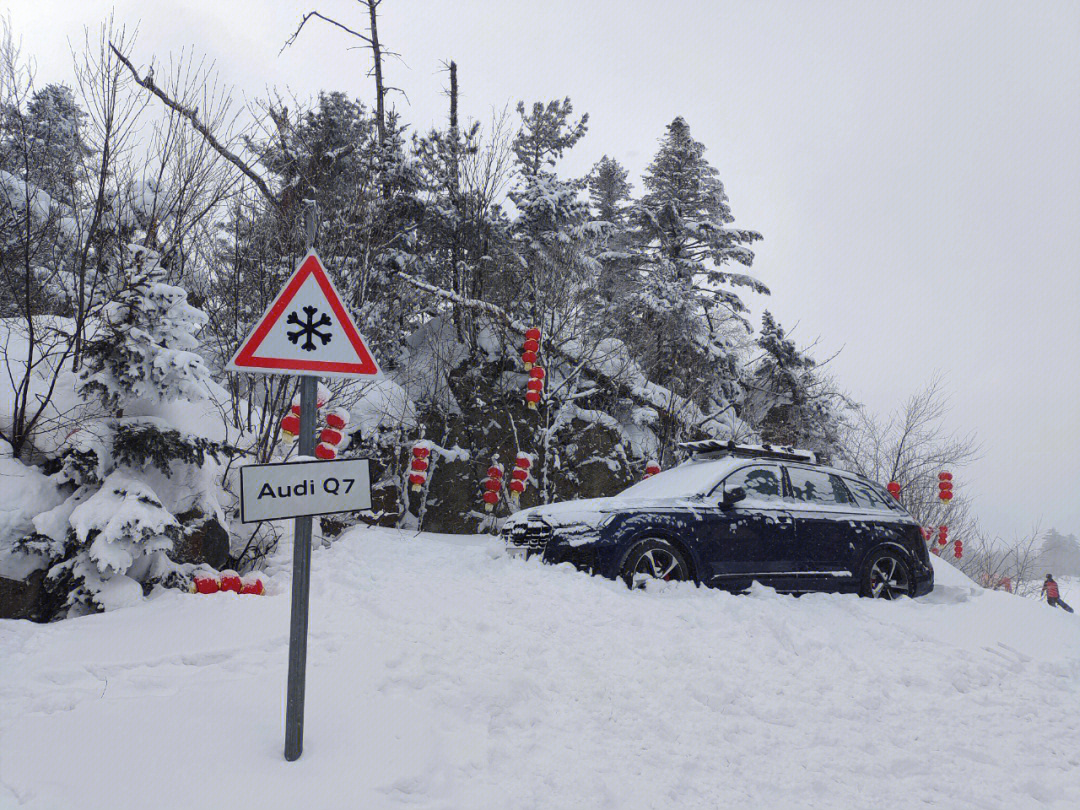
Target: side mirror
732	496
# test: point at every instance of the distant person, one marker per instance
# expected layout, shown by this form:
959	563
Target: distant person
1053	595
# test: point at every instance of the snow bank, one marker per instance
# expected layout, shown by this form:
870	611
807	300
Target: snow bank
444	675
24	492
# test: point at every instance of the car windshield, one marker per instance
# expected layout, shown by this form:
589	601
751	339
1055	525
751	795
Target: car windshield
691	478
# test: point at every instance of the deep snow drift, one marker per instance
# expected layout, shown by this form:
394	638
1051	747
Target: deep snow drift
444	675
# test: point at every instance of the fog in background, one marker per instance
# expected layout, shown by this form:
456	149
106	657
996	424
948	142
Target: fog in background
914	167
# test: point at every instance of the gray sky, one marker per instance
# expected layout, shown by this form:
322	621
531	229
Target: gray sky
914	167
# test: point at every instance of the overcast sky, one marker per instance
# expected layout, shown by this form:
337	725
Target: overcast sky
914	167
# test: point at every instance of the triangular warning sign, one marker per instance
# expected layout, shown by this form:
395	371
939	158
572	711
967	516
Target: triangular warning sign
306	331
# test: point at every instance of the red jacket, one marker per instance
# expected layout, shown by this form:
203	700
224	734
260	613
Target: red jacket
1051	589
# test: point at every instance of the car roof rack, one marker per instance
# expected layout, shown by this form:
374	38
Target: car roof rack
708	448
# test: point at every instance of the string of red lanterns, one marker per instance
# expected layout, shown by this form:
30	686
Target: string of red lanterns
332	435
945	487
207	583
290	423
536	387
531	350
519	476
418	467
492	485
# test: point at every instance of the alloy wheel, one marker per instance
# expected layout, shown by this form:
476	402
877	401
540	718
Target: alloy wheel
657	563
889	579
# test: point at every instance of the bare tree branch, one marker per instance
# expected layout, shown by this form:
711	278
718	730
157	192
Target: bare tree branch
200	127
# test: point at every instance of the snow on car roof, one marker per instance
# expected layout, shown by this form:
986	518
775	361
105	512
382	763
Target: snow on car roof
694	477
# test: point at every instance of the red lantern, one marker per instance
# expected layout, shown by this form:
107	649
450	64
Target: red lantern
230	581
925	532
290	426
523	461
537	373
652	467
532	334
252	584
337	418
532	398
519	474
417	481
331	436
492	484
516	487
295	408
945	495
894	489
944	486
944	476
528	358
419	465
326	452
205	583
536	385
532	346
495	472
490	499
421	452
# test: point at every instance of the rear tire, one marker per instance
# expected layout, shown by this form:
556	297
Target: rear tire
886	575
654	560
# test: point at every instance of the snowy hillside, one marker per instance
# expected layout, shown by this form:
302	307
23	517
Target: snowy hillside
444	675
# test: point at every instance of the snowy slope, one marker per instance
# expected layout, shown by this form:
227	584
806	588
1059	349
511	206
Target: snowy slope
444	675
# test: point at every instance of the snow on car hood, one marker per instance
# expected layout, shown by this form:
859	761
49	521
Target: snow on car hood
591	511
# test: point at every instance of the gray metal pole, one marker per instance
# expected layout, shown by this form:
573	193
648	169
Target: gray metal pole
301	582
301	587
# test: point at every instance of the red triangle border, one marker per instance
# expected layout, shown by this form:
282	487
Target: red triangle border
246	359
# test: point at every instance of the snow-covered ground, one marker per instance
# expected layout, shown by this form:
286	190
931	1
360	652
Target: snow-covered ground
444	675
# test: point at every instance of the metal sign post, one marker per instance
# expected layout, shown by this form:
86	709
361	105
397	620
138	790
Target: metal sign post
301	582
301	588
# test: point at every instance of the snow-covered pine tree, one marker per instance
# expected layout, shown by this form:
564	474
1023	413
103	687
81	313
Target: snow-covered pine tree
787	400
111	538
552	231
145	348
683	320
609	190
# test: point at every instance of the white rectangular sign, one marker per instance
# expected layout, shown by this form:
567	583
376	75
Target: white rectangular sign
273	491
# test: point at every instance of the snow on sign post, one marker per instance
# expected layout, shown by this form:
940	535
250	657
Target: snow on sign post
308	332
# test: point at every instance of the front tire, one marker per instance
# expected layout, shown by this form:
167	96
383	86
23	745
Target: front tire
654	560
886	575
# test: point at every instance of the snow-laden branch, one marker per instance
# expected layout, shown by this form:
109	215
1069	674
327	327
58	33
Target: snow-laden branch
649	394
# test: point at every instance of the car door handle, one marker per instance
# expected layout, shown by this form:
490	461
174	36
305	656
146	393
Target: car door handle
782	518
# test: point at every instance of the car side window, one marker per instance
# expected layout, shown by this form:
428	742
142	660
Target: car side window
761	482
817	487
865	496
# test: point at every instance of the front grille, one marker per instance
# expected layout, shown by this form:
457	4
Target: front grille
532	535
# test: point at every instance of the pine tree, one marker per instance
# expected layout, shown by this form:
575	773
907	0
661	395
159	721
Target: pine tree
686	217
681	319
609	190
146	346
552	230
788	401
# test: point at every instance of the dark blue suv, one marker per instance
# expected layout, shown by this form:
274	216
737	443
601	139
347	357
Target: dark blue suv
733	515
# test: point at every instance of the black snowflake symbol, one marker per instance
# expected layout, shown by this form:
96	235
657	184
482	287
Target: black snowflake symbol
309	330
